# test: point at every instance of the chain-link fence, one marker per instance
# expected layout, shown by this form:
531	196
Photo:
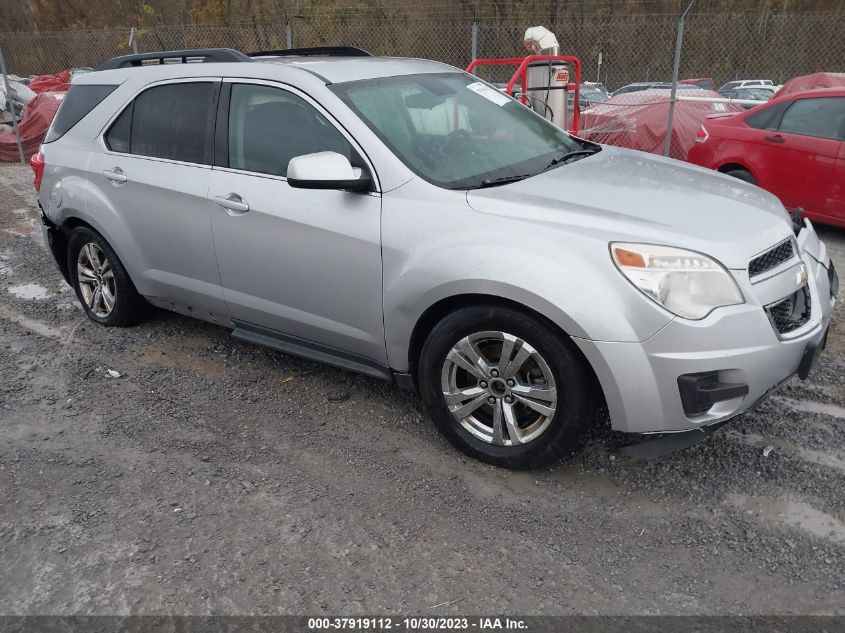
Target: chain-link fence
775	46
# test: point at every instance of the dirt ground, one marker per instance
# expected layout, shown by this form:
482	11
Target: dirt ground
215	477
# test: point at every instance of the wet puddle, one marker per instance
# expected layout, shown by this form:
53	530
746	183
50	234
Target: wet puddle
29	291
795	513
36	327
811	406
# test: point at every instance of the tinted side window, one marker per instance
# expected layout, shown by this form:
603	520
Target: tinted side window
269	126
823	117
78	102
117	138
173	121
767	118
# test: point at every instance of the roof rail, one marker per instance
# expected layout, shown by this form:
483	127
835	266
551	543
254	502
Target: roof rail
175	57
314	51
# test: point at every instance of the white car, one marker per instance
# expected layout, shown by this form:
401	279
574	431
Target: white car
746	83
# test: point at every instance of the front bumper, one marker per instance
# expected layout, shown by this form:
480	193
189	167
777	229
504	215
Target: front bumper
735	345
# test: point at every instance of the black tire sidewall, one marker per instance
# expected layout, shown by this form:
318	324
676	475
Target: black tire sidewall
743	175
128	304
574	402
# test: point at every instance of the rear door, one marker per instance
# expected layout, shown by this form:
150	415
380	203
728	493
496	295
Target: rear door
800	155
151	169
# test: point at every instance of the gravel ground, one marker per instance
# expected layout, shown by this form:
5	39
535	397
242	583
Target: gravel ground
215	477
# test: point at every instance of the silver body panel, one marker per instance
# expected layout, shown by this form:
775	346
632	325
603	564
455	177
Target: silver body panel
356	272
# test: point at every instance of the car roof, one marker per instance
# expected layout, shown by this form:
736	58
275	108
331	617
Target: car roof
329	69
836	91
341	69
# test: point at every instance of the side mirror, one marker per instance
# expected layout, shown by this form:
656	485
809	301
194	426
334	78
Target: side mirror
326	170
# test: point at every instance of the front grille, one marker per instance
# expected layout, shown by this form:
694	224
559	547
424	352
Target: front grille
771	258
789	314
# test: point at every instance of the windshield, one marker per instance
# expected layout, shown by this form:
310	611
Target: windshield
455	131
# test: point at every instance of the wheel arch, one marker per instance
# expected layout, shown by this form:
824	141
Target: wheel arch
734	165
62	235
440	309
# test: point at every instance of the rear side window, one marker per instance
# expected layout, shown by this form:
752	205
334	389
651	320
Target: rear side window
173	121
767	118
823	117
78	102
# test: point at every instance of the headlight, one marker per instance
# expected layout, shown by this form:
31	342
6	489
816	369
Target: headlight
686	283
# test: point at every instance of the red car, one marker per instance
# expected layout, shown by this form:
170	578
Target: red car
793	146
702	82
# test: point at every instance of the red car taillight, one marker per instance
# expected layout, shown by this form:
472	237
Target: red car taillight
702	135
37	163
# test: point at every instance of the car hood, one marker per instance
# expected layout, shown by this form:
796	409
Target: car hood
623	195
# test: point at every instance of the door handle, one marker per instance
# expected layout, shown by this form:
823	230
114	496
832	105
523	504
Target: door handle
777	138
115	175
232	202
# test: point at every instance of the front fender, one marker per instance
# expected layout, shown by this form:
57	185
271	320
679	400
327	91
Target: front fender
434	252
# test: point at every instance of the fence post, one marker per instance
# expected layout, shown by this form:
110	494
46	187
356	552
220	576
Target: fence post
474	40
133	43
678	45
12	108
289	36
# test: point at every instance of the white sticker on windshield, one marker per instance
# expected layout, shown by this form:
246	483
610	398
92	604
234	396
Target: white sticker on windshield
491	94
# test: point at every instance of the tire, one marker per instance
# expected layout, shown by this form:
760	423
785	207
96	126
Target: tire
126	307
477	332
742	174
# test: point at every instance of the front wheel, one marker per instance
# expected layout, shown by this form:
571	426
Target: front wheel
504	387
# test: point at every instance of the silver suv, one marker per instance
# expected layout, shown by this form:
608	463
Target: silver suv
403	219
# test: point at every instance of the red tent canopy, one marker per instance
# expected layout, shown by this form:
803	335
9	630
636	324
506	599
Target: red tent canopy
37	117
638	120
811	82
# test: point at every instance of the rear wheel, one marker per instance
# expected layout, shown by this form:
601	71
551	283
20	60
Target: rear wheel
102	284
504	387
742	174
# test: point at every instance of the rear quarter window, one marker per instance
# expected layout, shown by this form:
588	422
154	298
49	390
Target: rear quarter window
767	118
172	121
78	102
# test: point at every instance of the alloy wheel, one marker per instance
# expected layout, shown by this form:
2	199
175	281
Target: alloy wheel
499	388
96	280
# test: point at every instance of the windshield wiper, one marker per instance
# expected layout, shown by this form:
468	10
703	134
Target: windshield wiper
578	152
504	180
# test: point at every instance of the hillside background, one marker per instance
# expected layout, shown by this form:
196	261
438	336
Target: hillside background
59	15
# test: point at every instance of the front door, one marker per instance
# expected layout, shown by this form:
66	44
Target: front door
299	262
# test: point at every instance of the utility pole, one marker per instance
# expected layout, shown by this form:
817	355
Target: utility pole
678	45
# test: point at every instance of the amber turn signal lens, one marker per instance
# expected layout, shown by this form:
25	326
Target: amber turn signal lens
628	258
